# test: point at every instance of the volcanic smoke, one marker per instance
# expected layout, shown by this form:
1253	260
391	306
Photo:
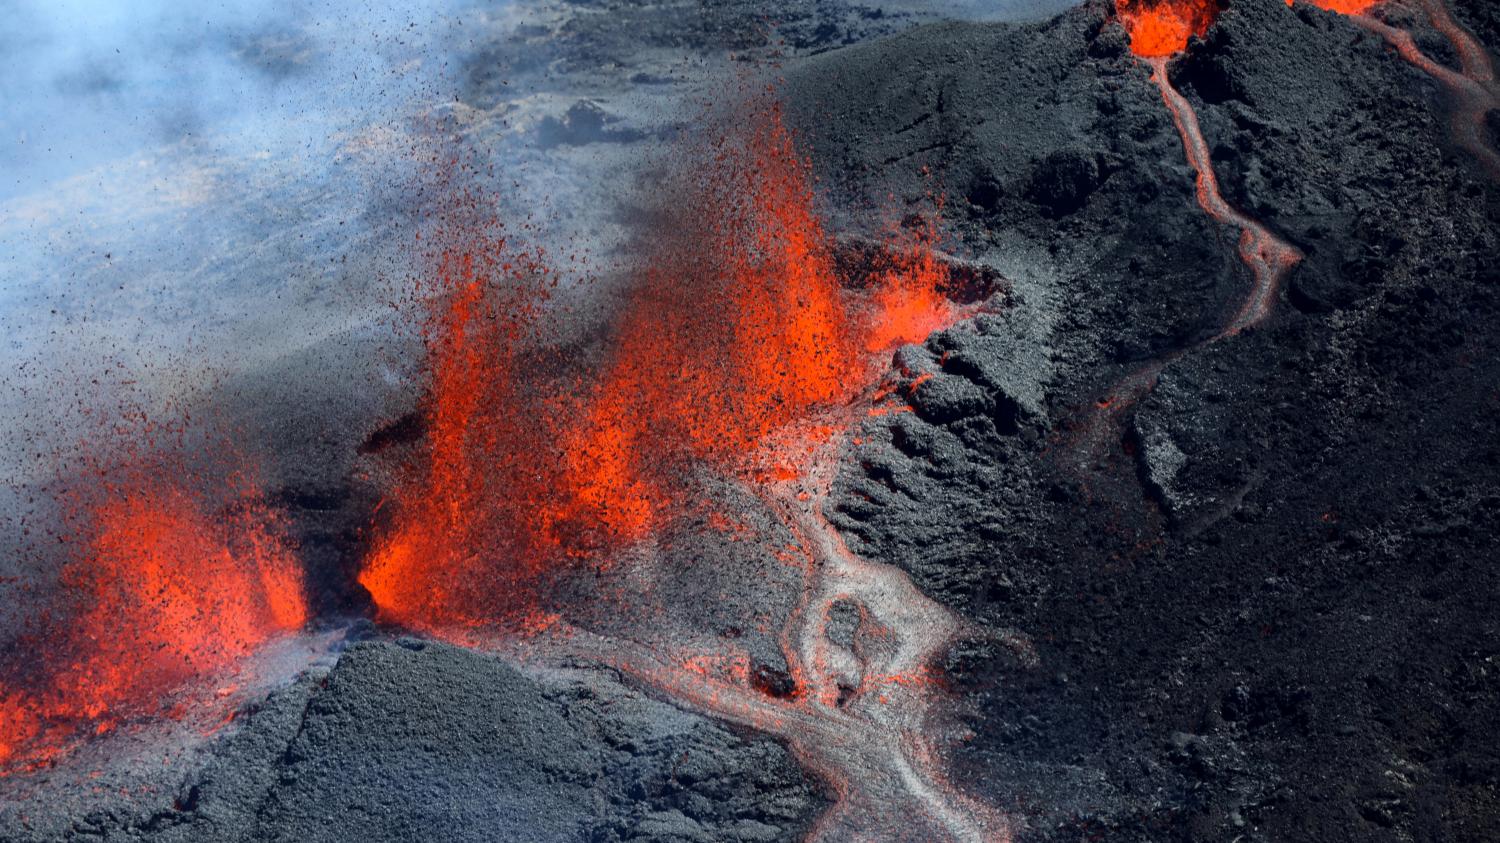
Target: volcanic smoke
538	512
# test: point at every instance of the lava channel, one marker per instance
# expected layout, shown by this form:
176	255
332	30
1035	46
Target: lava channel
1472	87
1269	257
867	720
1158	32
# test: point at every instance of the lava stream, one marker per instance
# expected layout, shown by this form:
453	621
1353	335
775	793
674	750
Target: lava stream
891	702
1472	87
1269	257
1158	32
862	720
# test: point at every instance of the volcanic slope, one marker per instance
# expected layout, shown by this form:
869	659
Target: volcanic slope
410	740
1265	611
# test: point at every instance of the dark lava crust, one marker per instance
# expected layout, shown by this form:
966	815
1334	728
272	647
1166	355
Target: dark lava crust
1263	611
1267	613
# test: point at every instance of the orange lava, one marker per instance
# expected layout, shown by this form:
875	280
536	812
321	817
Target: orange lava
475	501
158	592
737	352
1163	27
908	302
1343	7
1268	257
736	325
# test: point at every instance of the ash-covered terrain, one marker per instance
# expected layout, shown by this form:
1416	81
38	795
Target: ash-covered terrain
1254	603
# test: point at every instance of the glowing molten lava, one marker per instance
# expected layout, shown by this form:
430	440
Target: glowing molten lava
159	592
1343	7
908	302
736	325
763	336
479	494
1163	27
1269	257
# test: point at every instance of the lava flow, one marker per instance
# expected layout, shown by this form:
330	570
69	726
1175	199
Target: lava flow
1268	257
157	592
1472	87
740	353
1159	31
865	718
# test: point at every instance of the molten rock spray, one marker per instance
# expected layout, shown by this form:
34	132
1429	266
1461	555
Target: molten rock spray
738	353
171	577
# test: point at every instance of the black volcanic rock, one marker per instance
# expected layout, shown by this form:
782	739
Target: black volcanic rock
481	752
1263	613
1263	609
1062	182
415	740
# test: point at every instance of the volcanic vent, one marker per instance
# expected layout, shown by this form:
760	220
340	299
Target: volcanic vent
739	390
749	510
165	579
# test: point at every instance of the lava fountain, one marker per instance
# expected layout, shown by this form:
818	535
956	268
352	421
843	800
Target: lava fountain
740	353
163	586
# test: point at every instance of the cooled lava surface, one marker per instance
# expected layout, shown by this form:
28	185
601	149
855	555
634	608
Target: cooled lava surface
1081	428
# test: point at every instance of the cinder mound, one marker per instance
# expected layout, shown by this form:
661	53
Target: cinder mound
418	741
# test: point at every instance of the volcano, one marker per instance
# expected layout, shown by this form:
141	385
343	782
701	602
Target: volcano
774	421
